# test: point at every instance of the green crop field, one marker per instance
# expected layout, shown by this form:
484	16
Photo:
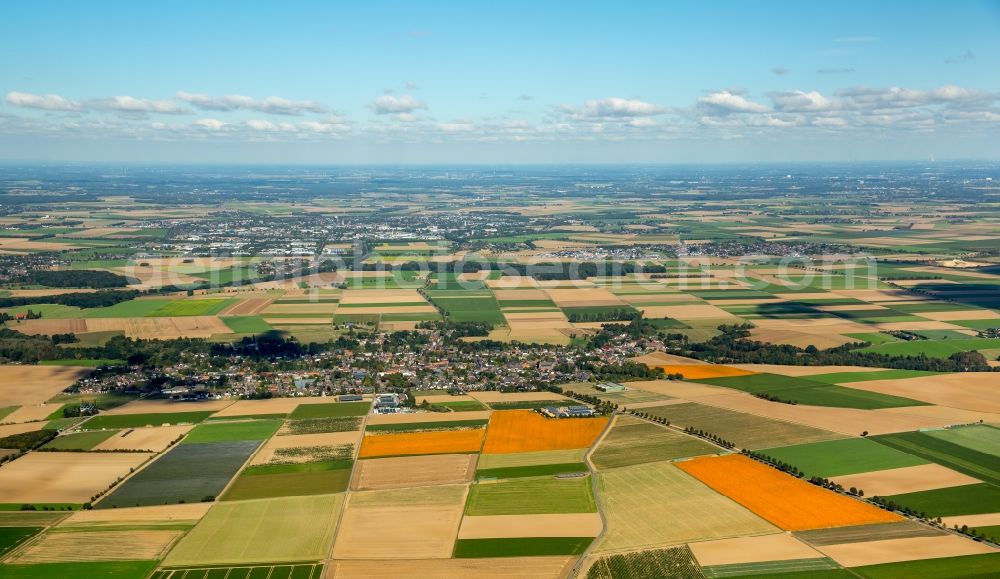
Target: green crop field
804	391
80	570
334	410
284	480
139	420
848	377
186	473
89	362
193	307
983	466
676	562
467	309
529	496
527	304
839	457
981	437
633	441
289	529
532	470
137	308
308	571
11	537
973	499
230	431
521	547
247	324
744	430
462	405
80	440
934	348
967	567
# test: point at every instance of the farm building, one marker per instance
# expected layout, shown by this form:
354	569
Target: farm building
611	387
567	411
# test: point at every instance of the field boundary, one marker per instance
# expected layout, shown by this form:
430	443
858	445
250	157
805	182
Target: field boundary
577	567
347	494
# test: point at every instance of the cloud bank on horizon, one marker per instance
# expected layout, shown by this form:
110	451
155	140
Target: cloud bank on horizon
628	95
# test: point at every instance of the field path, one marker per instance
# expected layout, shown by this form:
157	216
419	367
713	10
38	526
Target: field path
327	566
580	565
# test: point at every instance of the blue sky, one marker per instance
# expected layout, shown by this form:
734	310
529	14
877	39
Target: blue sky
504	82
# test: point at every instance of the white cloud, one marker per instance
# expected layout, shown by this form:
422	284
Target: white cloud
829	122
389	104
128	104
725	102
269	127
329	127
271	105
800	101
211	124
863	98
48	102
615	107
457	127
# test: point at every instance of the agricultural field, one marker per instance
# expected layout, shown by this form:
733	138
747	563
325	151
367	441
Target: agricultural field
940	450
743	429
71	477
859	344
789	503
413	471
420	523
290	479
841	457
309	571
261	530
116	421
806	391
531	496
671	562
633	441
695	512
417	443
526	431
490	568
186	473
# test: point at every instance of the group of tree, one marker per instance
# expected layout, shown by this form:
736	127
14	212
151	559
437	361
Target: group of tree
74	278
775	463
735	346
99	299
604	315
773	398
456	330
709	436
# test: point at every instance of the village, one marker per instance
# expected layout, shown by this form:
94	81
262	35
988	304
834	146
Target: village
376	364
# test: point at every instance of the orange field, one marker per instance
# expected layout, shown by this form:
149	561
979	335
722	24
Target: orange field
788	502
526	431
408	443
699	371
